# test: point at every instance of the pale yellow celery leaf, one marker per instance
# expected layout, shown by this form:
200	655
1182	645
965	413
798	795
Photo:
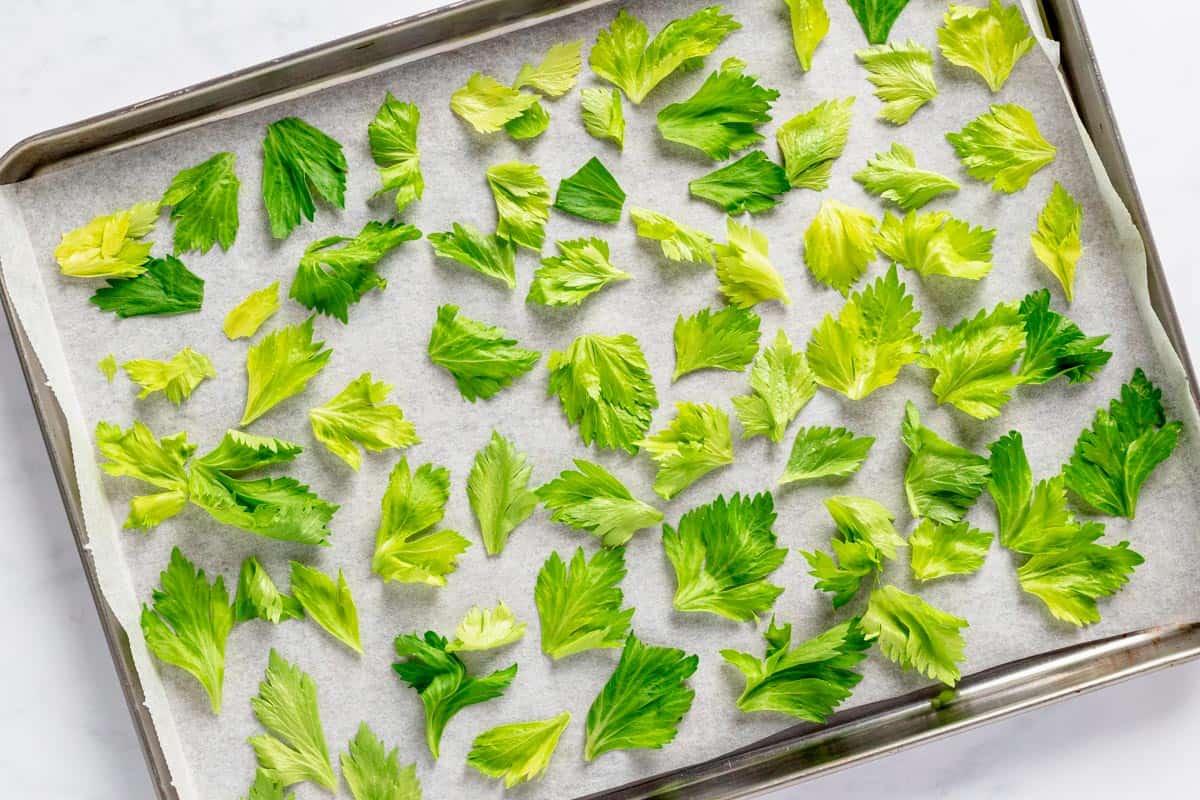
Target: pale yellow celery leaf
811	141
989	40
903	78
871	339
839	244
935	243
108	367
746	274
781	384
678	241
1057	242
556	73
244	320
176	378
486	629
488	105
359	415
810	23
603	117
109	246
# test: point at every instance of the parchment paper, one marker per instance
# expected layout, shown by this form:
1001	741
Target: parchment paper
387	335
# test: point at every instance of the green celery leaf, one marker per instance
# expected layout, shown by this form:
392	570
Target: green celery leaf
989	40
358	414
522	199
244	319
176	378
643	701
746	274
721	117
189	622
279	366
942	480
592	499
277	508
298	159
723	554
293	749
532	123
480	357
696	442
557	72
486	629
781	384
1003	146
895	177
110	245
726	339
871	339
330	279
1069	581
1054	345
519	751
487	105
625	56
604	385
441	680
393	138
810	24
487	254
259	598
602	114
327	603
592	193
408	549
914	634
938	550
807	681
1057	242
678	241
825	452
203	202
751	184
877	17
374	773
903	78
974	360
1114	457
811	141
839	244
579	606
580	269
498	488
935	243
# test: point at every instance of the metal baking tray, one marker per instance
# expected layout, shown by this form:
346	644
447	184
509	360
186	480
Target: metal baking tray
797	753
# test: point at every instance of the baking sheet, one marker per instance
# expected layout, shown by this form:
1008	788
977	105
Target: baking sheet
388	332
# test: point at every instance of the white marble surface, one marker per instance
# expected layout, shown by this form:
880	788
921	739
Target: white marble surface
64	729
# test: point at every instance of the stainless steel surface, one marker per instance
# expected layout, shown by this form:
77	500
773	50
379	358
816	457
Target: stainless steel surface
793	755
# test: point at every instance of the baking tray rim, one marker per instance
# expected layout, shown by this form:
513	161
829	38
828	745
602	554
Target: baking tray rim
797	753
